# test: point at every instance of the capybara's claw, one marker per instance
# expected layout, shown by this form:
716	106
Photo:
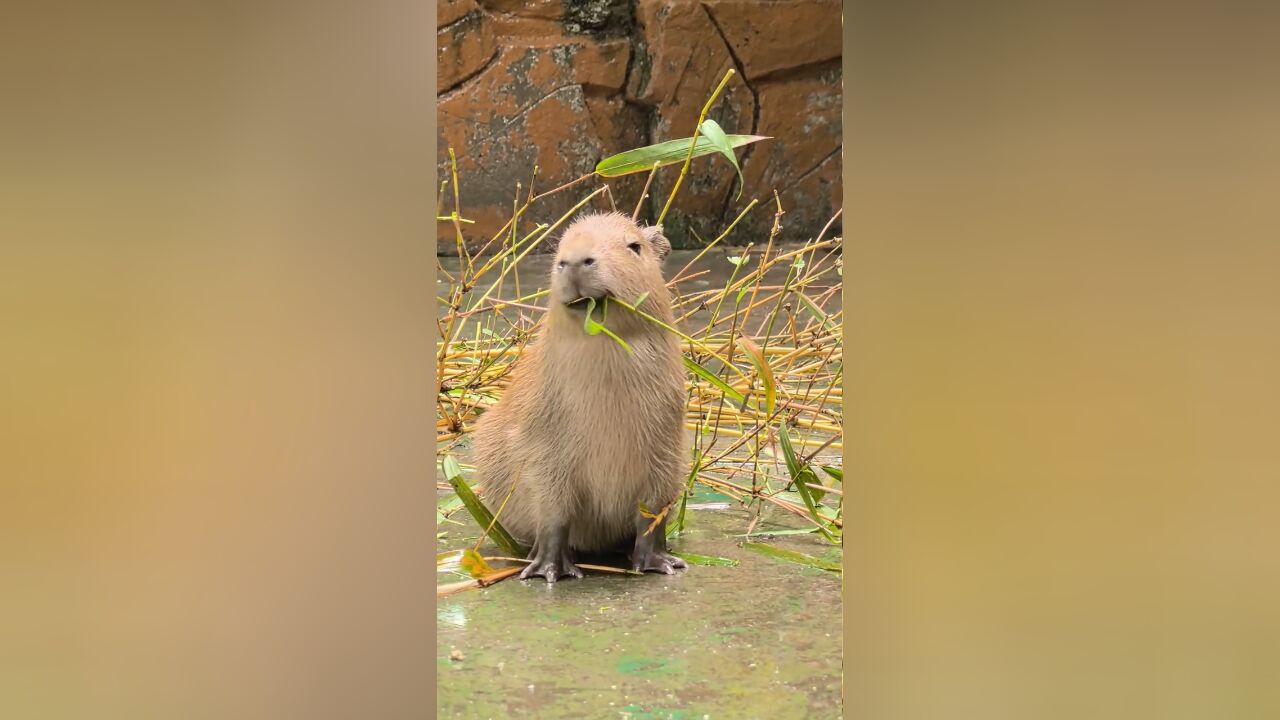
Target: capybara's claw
551	569
657	561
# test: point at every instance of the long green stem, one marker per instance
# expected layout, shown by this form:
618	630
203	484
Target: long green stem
693	141
700	345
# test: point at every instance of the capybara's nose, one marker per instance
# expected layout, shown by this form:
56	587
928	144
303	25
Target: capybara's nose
579	269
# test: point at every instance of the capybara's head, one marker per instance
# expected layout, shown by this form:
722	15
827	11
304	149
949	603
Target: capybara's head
607	255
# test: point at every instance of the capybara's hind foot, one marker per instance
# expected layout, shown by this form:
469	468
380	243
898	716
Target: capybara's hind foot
650	551
551	558
552	568
653	560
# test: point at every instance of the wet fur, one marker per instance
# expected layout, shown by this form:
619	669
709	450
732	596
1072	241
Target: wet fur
585	431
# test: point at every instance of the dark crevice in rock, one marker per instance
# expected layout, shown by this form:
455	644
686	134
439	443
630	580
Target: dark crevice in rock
800	178
684	72
755	105
813	69
465	18
457	87
638	63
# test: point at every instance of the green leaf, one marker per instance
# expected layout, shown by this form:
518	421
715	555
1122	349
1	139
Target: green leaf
756	355
806	479
483	518
834	472
822	317
793	556
788	452
711	130
737	259
802	476
714	379
640	299
694	559
666	153
676	525
593	327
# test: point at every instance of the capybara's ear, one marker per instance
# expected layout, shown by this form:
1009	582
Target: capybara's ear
661	245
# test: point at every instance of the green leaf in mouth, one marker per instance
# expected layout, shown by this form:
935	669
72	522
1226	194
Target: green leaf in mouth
595	327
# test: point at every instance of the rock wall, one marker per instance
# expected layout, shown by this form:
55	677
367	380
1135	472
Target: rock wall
561	84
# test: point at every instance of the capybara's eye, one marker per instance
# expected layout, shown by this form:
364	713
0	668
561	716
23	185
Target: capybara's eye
635	247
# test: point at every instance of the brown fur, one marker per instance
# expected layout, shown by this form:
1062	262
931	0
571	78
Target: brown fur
586	431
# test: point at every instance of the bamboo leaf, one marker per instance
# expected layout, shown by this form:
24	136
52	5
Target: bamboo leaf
695	559
594	327
793	556
484	518
834	472
678	524
711	130
765	371
670	152
714	379
802	476
822	317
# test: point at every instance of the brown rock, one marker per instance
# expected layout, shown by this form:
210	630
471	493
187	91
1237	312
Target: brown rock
811	201
804	117
619	126
531	31
601	64
684	60
768	37
527	108
448	11
544	9
546	83
462	50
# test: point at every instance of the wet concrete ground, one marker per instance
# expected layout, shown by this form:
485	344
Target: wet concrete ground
759	640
